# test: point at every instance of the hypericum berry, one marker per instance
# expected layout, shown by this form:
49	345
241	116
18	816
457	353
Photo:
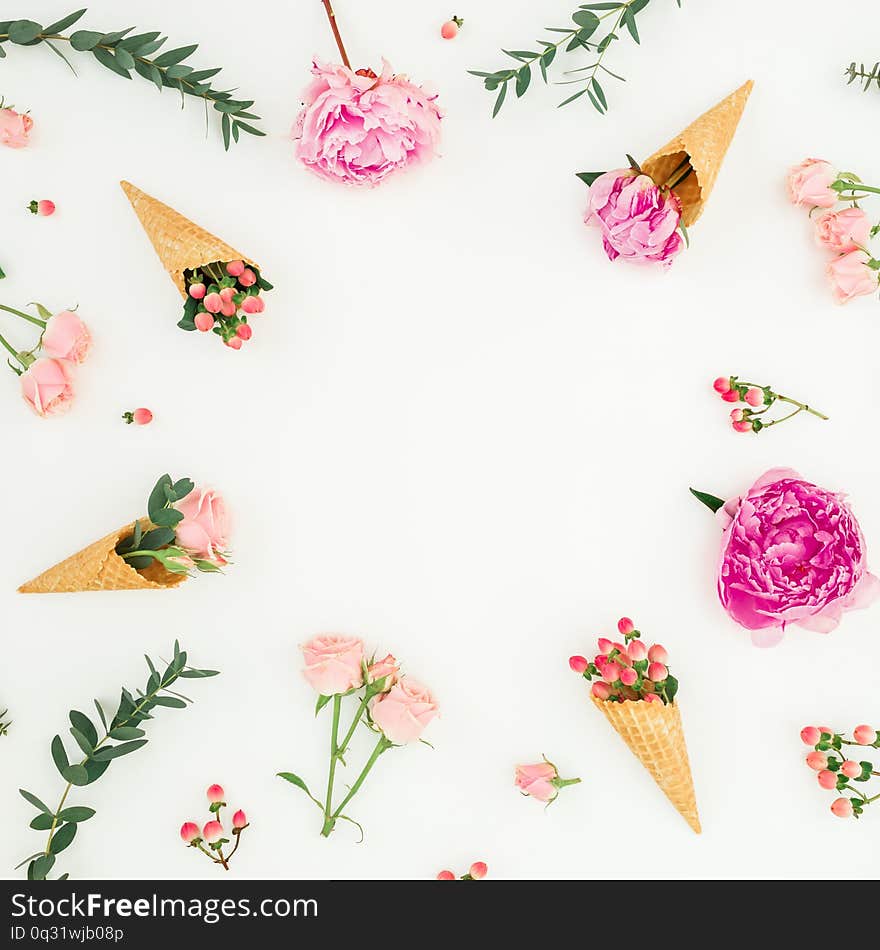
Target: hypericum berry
228	308
817	761
215	794
730	396
189	831
625	626
235	268
213	303
478	870
842	807
234	343
212	832
827	780
197	291
743	425
450	28
810	735
446	876
43	208
247	278
244	331
657	672
637	651
722	385
865	735
851	769
600	690
204	321
140	417
754	396
611	672
252	304
605	645
628	676
578	663
658	654
227	293
736	415
239	820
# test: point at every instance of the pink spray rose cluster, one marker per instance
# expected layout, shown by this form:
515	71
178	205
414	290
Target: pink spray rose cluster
392	705
835	771
358	128
213	832
477	871
15	127
541	781
792	552
845	233
628	671
758	399
46	372
639	221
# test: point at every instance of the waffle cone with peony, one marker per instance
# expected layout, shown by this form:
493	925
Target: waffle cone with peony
99	567
180	243
702	145
654	735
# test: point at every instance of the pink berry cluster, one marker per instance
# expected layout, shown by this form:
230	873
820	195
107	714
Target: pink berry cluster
212	834
758	400
629	670
478	870
834	772
220	298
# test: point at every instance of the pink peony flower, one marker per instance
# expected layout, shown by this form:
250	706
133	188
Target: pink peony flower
808	184
851	275
843	231
189	831
334	664
403	712
358	129
537	781
792	553
47	386
204	531
15	128
387	669
66	337
638	221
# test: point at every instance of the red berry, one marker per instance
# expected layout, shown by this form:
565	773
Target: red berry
244	331
142	417
204	321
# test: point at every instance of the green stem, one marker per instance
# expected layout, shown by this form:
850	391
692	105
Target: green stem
791	415
381	746
14	352
357	718
802	405
24	316
857	186
331	775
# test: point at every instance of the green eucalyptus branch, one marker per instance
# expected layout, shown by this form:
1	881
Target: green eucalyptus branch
4	726
866	77
587	20
61	823
120	53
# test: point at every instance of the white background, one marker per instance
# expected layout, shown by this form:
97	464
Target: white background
459	431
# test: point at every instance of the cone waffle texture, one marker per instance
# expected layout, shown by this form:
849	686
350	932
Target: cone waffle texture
99	567
703	143
180	243
654	735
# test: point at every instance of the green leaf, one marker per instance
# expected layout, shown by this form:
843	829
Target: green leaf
586	21
84	725
42	822
710	501
59	756
198	674
64	22
178	72
597	105
157	538
499	102
589	177
133	43
81	741
76	813
182	487
157	498
114	752
174	56
321	703
124	733
95	770
111	39
63	838
76	775
224	125
33	800
124	58
84	40
629	21
201	74
600	94
295	780
671	684
577	95
172	702
523	78
605	42
41	867
251	131
166	518
24	31
106	58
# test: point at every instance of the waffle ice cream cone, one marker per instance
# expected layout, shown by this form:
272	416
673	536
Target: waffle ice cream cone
703	145
99	567
654	735
180	243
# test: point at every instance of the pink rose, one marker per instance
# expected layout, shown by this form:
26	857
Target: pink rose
851	275
14	128
387	669
843	231
792	553
47	386
404	711
809	184
204	531
66	337
537	781
359	129
638	220
334	664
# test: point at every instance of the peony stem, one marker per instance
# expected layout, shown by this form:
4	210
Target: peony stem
24	316
331	16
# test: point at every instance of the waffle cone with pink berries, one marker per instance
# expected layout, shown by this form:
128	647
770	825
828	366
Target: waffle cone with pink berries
634	690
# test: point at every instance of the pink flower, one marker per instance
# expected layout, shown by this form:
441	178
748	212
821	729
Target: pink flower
403	712
625	626
215	794
578	663
66	337
204	531
657	672
446	876
827	780
637	651
387	669
334	664
47	386
843	231
478	870
791	553
14	128
189	831
600	690
817	761
358	129
852	276
851	769
809	184
865	735
810	735
638	221
537	781
212	832
842	807
239	820
658	654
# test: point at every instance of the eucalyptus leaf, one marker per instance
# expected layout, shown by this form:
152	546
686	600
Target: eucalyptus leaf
76	775
33	800
41	867
24	31
106	58
59	755
64	22
84	40
42	822
174	56
76	813
82	722
81	741
63	838
107	753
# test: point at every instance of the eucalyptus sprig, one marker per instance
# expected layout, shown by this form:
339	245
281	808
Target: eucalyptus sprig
587	19
120	53
124	729
863	75
4	726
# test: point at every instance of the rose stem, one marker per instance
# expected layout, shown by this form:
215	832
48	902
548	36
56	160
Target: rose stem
334	757
381	746
331	16
24	316
5	343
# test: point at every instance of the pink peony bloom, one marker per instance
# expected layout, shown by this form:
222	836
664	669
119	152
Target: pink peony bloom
14	128
638	221
792	553
66	337
809	184
852	276
47	386
358	129
334	664
843	231
537	781
204	531
404	711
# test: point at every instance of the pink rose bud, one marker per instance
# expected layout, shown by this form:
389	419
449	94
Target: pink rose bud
722	385
754	396
842	807
817	761
657	672
212	832
742	425
600	690
658	654
239	820
605	646
610	672
197	291
215	794
809	184
852	276
628	676
637	651
387	669
478	870
189	831
578	663
864	735
851	769
827	780
43	208
213	303
843	231
235	268
14	128
810	735
730	396
252	305
234	343
204	321
446	876
736	415
625	626
244	331
247	278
